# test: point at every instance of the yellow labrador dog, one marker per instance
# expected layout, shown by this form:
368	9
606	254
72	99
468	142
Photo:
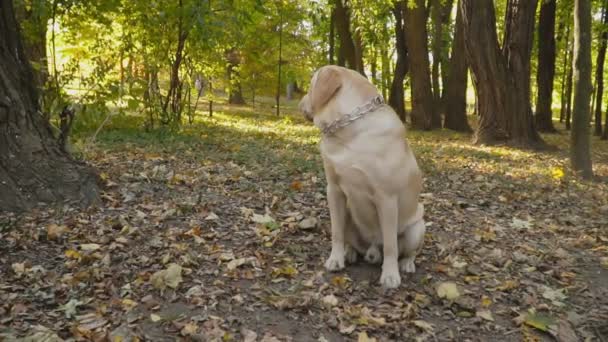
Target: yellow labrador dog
373	181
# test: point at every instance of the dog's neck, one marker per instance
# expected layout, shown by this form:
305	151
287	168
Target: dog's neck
335	117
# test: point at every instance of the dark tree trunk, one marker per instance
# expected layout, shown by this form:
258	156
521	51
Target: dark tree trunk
440	15
546	66
456	85
568	113
35	43
580	149
235	92
446	17
174	95
332	37
566	75
396	97
502	76
33	168
599	71
424	116
348	50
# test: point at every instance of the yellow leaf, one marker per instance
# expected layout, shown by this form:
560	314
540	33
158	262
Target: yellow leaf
508	285
557	173
72	254
448	290
155	318
486	301
364	338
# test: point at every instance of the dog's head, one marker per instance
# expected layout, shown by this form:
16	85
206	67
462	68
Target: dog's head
335	89
324	85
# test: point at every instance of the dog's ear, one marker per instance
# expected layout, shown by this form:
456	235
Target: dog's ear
326	86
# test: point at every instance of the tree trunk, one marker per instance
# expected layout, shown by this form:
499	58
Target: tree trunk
565	74
348	50
35	19
502	76
235	90
569	91
440	15
396	97
456	85
33	168
599	72
424	116
332	37
580	149
546	66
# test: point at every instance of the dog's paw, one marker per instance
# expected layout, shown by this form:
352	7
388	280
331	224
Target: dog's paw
407	265
350	255
334	263
390	280
373	255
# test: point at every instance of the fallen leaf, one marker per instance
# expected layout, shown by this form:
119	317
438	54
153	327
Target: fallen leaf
155	318
486	301
170	277
70	307
72	254
189	329
521	224
89	247
212	216
538	321
448	290
330	300
485	314
364	338
18	268
54	232
248	335
308	223
426	326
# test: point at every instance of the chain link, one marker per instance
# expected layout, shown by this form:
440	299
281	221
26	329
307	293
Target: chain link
353	116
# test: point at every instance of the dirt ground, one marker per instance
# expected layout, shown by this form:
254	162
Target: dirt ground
209	238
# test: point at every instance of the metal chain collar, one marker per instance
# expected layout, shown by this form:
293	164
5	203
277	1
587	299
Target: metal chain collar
353	116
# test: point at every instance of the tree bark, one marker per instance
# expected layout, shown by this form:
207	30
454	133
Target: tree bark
332	37
599	71
348	50
35	19
569	90
546	66
502	76
33	168
580	142
235	92
424	116
440	15
566	75
456	85
396	97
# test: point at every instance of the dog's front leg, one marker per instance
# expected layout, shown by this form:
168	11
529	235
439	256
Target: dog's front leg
388	213
337	214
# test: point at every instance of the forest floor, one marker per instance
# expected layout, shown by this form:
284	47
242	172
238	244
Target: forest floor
218	233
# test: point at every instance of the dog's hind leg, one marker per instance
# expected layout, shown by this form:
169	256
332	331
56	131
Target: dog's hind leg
410	242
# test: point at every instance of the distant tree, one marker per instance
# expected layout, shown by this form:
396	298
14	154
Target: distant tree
396	98
546	66
599	71
33	166
424	115
350	49
440	19
580	149
502	75
456	85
